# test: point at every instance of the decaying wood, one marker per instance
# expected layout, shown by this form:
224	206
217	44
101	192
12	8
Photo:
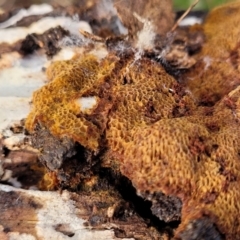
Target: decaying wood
31	214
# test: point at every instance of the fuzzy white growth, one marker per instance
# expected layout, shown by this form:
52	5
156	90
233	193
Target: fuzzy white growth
146	36
74	40
207	60
137	56
121	47
75	24
162	55
87	103
106	9
190	21
77	42
100	51
33	10
121	28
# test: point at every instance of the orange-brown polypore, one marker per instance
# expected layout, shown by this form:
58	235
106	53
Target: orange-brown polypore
217	69
56	105
194	158
151	126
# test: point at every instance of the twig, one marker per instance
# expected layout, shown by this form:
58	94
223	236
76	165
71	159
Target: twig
184	15
91	36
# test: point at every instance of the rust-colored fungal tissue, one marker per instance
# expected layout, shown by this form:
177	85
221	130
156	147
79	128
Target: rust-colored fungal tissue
119	115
